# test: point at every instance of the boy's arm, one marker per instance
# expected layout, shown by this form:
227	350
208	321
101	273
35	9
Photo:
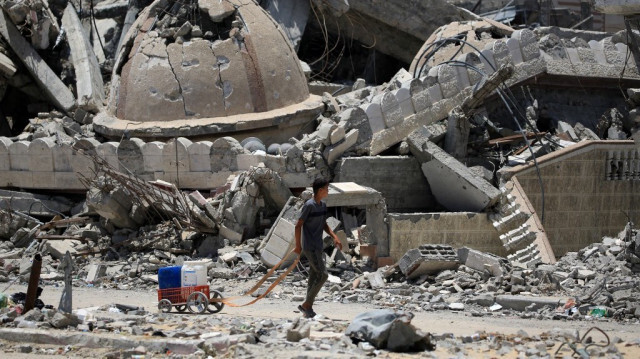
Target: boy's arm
336	240
298	234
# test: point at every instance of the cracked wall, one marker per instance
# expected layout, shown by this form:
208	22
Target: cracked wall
221	58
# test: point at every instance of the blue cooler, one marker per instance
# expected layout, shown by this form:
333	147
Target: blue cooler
170	277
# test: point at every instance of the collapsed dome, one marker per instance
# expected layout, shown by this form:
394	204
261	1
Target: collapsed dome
192	68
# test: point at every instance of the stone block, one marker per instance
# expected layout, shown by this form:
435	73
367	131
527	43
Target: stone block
403	95
528	44
19	156
175	155
95	272
152	156
598	52
224	153
62	158
391	111
58	248
40	155
448	80
130	156
473	59
334	152
435	93
514	51
199	156
428	259
453	184
488	61
109	152
337	135
481	261
5	164
374	114
462	73
618	7
501	53
521	302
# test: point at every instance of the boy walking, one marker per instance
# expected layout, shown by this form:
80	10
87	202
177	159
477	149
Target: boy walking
312	222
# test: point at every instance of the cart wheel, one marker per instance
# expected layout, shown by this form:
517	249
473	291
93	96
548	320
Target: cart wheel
164	305
215	307
181	308
197	302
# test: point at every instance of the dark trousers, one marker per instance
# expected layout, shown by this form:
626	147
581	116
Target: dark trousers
317	274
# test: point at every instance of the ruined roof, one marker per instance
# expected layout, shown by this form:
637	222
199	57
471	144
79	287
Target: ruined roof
192	67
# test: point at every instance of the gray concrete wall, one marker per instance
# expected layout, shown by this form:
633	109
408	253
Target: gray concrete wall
473	230
398	178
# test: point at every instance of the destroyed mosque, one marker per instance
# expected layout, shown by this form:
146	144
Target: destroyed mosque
500	138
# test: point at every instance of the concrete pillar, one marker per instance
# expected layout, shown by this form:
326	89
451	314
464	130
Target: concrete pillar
89	85
377	227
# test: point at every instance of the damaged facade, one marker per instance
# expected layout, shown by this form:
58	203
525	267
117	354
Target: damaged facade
192	131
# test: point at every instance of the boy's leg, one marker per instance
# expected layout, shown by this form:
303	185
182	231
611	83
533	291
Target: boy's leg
320	275
314	276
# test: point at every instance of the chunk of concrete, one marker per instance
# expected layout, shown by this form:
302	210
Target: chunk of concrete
452	183
89	85
48	81
481	261
428	258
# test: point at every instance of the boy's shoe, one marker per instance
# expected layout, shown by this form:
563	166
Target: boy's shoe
308	313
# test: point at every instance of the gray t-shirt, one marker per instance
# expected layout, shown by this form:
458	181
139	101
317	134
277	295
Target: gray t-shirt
314	216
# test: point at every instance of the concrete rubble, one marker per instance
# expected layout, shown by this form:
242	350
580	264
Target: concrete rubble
139	135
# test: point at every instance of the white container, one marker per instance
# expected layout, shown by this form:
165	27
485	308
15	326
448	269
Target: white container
193	275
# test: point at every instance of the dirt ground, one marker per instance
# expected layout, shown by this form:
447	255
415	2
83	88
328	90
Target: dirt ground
437	323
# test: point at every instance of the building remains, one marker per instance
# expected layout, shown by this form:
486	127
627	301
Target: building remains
489	150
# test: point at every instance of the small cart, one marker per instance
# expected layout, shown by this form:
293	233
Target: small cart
197	299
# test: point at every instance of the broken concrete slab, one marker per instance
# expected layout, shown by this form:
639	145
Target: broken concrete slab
483	262
89	85
453	184
428	259
48	81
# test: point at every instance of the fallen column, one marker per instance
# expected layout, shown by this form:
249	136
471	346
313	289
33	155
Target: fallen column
89	85
42	74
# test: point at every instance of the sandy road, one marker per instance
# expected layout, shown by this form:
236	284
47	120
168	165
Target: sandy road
438	322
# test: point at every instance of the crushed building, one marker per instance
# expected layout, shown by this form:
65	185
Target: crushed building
491	152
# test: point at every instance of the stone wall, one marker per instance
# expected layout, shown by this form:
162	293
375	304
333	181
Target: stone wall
586	189
398	178
474	230
43	164
393	115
